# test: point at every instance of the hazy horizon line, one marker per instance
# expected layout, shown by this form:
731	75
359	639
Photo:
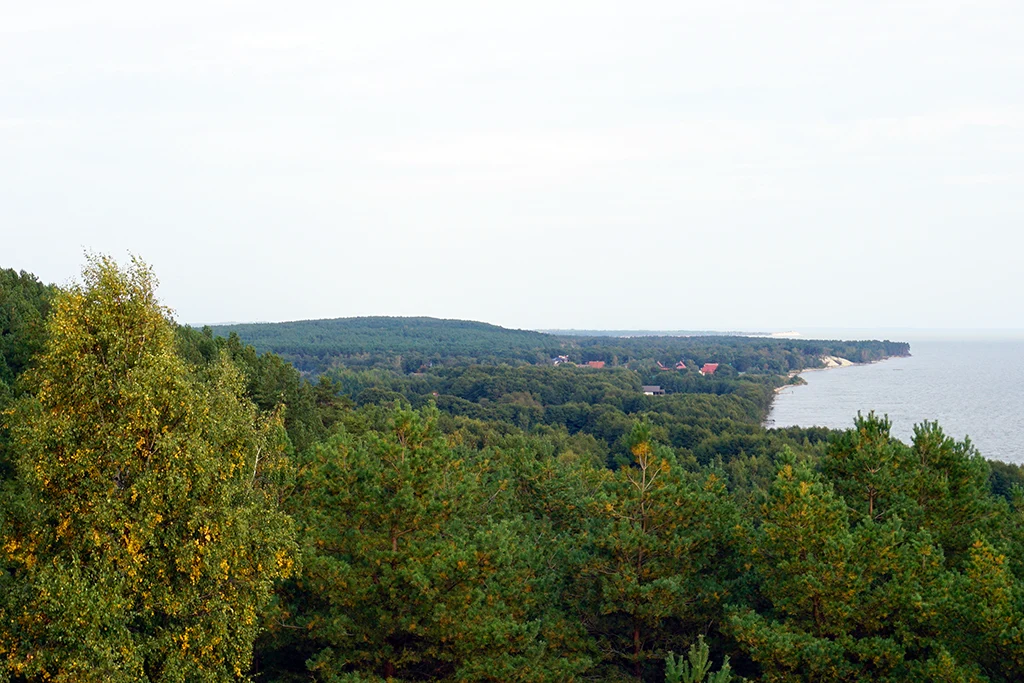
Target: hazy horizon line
782	332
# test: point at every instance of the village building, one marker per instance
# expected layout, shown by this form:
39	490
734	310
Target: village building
653	390
709	369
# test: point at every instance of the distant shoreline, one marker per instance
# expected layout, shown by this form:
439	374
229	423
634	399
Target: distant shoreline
831	363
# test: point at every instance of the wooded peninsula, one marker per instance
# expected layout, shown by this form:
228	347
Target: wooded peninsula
415	499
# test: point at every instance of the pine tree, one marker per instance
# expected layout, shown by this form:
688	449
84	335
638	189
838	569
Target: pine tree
696	666
24	307
408	574
949	492
868	468
983	615
660	559
860	604
937	484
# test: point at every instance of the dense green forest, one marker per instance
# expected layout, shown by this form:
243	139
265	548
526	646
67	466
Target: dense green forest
415	344
385	499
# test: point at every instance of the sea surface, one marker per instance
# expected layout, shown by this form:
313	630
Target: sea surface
971	388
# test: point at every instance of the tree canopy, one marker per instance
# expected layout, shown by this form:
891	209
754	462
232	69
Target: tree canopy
422	500
141	538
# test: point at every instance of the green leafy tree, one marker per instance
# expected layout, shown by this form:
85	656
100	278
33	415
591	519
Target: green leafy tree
141	537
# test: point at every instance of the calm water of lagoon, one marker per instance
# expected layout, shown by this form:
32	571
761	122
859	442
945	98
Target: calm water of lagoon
972	388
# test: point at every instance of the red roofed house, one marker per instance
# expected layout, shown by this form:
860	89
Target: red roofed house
709	368
595	364
680	365
662	367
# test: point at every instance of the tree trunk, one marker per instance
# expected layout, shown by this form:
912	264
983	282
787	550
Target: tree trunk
637	665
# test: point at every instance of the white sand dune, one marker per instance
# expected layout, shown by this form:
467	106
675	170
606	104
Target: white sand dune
836	362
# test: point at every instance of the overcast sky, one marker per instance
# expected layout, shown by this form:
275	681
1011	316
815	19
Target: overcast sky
664	165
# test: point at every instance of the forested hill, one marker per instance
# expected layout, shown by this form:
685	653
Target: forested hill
573	332
315	345
412	344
